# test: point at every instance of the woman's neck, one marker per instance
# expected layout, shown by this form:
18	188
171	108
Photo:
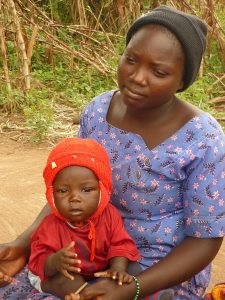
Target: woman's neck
155	115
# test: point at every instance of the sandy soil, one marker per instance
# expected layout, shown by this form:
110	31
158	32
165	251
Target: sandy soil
22	192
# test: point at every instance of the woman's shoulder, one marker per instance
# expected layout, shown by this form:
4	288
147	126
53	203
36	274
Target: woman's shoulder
201	129
212	123
197	122
97	109
101	99
196	117
208	125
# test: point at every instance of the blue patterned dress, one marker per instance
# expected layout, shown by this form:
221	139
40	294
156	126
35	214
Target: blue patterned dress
175	190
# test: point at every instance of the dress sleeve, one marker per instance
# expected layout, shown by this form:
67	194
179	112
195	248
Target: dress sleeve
204	191
43	244
121	244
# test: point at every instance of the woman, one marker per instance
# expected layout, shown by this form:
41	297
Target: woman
167	158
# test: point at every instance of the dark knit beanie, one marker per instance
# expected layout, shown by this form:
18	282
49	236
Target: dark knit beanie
85	153
189	30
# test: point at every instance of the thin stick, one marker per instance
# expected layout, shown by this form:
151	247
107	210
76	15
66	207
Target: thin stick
81	288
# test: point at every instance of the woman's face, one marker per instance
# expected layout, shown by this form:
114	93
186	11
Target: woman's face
76	193
151	69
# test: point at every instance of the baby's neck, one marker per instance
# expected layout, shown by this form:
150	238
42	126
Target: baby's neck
77	225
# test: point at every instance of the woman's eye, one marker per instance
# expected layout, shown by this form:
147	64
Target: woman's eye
130	59
159	73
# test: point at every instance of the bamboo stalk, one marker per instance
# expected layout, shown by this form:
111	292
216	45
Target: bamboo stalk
31	44
4	53
21	45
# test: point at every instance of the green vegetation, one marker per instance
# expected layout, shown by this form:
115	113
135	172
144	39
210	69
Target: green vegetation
55	82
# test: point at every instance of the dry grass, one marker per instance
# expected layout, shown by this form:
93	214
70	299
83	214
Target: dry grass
65	125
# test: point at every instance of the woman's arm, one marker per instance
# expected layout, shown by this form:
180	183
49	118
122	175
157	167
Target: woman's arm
184	261
23	240
13	255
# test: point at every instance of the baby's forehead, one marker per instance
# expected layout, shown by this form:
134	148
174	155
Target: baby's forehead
76	170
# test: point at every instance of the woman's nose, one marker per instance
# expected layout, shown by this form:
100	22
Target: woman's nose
139	76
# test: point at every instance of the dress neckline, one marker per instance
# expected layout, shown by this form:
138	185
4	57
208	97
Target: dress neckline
186	125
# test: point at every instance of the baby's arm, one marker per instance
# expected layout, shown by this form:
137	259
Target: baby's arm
117	270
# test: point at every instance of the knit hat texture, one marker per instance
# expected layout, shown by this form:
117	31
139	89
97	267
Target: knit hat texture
85	153
189	30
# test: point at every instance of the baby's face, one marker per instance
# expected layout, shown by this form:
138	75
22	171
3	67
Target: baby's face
76	193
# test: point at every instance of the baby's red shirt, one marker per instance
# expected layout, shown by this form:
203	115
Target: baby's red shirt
111	240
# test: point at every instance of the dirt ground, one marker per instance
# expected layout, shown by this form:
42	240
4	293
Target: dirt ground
22	192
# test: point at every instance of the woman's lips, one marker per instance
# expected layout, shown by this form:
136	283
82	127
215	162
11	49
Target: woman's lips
133	94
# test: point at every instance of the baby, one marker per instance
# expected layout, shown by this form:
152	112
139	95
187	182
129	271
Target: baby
85	233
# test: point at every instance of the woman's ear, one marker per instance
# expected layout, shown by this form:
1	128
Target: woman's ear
180	85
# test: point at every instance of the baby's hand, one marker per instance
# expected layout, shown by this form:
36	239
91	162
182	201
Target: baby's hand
71	296
64	261
120	276
76	295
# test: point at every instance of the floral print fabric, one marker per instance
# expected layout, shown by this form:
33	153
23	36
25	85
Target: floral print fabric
167	193
21	289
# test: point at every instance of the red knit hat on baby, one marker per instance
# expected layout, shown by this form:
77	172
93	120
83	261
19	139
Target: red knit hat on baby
85	153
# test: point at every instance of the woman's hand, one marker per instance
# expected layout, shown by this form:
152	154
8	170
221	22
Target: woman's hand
12	260
14	255
106	290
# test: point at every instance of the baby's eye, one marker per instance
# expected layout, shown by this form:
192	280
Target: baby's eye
87	189
61	190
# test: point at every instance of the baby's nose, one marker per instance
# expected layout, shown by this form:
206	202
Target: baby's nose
75	196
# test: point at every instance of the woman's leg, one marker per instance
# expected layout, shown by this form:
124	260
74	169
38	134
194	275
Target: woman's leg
161	295
20	288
